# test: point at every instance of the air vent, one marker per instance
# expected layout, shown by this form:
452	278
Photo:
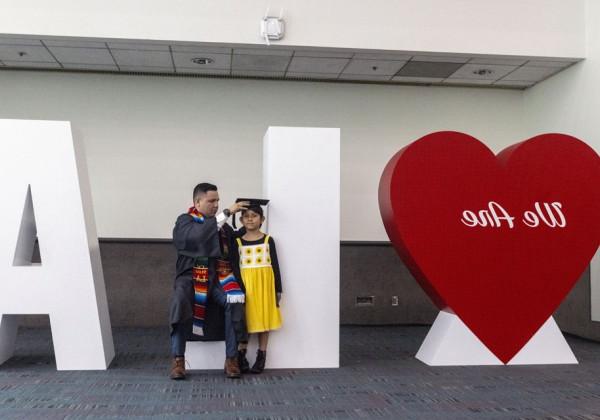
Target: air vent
365	300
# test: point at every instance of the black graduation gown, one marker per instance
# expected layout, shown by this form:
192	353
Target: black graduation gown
193	240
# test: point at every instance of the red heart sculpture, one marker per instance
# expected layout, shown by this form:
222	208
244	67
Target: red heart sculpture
502	281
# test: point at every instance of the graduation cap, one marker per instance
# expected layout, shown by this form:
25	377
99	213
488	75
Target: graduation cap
253	202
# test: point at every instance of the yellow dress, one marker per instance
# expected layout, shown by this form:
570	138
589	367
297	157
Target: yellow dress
262	313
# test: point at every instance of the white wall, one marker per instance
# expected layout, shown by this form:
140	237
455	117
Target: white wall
526	27
149	139
570	103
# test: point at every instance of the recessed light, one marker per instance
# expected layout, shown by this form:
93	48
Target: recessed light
202	60
483	72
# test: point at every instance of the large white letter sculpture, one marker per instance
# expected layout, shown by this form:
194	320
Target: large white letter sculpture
301	177
45	195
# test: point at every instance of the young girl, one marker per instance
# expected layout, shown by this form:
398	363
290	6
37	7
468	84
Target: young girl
256	264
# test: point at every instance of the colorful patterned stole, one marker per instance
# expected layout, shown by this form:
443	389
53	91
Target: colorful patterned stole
200	277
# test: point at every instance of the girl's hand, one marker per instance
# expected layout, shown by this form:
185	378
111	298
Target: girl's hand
278	299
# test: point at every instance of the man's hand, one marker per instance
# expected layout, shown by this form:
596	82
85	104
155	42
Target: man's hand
235	207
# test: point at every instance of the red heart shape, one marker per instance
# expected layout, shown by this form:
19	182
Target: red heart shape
502	282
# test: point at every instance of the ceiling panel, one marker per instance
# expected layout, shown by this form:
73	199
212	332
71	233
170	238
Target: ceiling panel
514	83
386	56
262	51
148	69
74	43
8	40
442	59
317	65
468	81
255	73
260	62
370	77
82	55
219	61
90	67
530	74
276	61
140	46
201	49
538	63
417	79
482	72
374	67
428	69
498	60
142	58
323	54
25	53
32	64
295	75
219	72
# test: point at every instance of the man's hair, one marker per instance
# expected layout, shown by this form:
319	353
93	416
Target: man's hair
203	188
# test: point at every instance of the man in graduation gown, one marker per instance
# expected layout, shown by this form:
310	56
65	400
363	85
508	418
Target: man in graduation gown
207	300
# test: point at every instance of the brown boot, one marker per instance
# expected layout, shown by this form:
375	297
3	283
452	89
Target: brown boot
178	368
232	369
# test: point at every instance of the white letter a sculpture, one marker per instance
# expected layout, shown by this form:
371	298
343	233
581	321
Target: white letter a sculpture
45	195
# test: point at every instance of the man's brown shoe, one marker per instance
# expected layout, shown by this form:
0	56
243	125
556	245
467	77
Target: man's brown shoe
178	368
232	369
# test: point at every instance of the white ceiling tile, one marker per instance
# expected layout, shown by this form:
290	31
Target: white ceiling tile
506	61
260	62
468	81
317	65
220	72
25	53
372	77
147	69
8	40
382	56
32	64
540	63
75	42
82	55
262	51
138	58
90	67
323	54
255	73
140	46
472	71
295	75
441	59
416	79
531	74
200	49
374	67
184	60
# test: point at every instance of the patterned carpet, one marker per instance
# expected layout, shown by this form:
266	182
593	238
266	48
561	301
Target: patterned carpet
379	378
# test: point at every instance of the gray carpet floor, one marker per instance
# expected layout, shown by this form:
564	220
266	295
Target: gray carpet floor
378	378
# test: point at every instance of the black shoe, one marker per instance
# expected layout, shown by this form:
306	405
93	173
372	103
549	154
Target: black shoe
259	364
243	362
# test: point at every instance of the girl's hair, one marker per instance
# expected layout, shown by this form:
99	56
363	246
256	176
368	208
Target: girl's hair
255	208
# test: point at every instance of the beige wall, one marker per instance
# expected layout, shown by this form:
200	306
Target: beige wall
526	27
149	140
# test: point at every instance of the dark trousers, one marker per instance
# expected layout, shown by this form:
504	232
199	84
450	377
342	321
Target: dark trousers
179	334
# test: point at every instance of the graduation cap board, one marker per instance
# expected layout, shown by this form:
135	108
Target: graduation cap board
253	203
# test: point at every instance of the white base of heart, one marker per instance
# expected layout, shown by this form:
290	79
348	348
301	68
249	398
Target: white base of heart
450	343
